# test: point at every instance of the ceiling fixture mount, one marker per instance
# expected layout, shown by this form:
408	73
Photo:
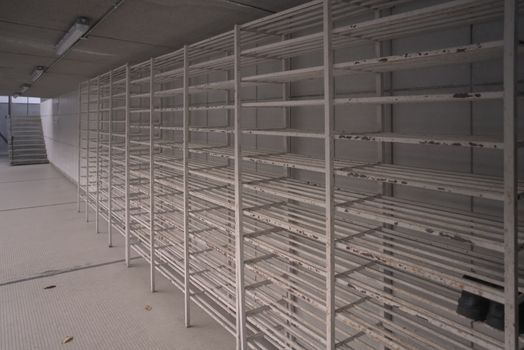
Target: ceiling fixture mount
24	88
77	30
37	73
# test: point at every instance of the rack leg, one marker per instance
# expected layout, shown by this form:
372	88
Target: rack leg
329	148
511	306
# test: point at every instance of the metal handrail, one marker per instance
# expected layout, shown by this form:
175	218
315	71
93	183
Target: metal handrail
3	137
10	137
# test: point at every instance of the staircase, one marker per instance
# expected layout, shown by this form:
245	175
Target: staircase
27	141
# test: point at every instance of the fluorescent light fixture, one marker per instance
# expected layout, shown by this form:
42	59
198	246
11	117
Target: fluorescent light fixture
37	73
24	88
79	28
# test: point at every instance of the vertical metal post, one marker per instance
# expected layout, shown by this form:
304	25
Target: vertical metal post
88	136
79	163
383	119
384	155
97	204
110	167
511	306
230	140
127	221
285	66
239	235
151	177
187	281
10	119
329	150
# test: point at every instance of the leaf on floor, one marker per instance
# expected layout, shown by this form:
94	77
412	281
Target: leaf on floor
50	287
148	307
67	339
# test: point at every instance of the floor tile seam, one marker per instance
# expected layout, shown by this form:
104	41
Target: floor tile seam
32	180
38	206
63	271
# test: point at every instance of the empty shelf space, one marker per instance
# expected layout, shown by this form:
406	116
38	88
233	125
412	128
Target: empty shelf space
412	60
482	186
379	100
477	230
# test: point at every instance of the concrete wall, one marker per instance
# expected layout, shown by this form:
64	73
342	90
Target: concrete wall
60	125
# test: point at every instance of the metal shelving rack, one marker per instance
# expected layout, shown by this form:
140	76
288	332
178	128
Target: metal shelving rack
314	250
92	136
103	167
140	187
168	170
117	153
208	216
83	90
365	249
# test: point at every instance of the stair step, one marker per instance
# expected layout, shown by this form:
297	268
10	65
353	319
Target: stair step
29	162
38	150
30	159
26	140
25	125
39	145
29	144
22	142
25	132
29	154
27	147
28	137
29	151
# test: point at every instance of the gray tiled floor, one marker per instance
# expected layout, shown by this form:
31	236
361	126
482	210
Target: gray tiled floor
97	300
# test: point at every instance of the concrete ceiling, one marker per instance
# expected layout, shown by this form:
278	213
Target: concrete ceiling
137	30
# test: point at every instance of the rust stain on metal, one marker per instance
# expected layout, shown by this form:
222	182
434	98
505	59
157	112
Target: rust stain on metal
462	95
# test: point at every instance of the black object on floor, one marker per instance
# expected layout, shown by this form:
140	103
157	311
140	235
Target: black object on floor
473	306
495	317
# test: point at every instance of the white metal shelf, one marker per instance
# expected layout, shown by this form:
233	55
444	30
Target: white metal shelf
480	142
408	61
482	186
467	228
285	263
378	100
